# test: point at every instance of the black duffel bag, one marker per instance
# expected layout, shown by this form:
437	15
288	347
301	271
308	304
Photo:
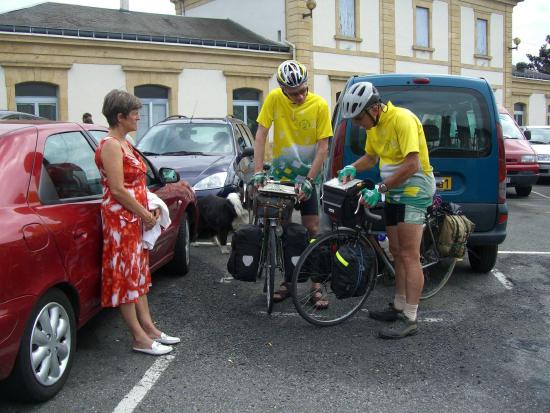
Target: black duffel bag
295	239
246	246
350	272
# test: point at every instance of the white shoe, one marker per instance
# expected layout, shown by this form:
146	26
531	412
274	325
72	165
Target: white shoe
157	349
166	339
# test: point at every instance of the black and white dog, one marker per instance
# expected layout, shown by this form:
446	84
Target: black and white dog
219	216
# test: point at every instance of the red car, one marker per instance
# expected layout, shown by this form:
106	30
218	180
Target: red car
51	243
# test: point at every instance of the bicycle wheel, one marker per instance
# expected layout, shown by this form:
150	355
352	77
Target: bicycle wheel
316	265
269	268
437	270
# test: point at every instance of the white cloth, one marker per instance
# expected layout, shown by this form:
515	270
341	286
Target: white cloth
151	236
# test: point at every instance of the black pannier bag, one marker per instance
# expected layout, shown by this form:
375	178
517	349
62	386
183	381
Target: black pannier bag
318	265
246	246
340	201
295	239
350	271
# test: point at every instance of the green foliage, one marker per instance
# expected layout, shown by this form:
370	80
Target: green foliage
541	63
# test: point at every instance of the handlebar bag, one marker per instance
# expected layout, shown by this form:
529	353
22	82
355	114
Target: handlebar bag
340	202
295	239
275	201
246	246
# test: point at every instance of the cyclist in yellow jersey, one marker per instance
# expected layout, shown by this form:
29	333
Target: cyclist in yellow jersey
301	126
396	139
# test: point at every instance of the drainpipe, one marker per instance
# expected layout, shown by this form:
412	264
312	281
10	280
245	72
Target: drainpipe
293	47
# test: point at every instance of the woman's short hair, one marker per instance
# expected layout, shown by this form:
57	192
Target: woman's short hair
119	101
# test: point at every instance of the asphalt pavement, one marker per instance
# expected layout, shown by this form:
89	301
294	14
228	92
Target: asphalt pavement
483	345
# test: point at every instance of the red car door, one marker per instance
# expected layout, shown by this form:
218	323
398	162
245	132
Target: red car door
67	198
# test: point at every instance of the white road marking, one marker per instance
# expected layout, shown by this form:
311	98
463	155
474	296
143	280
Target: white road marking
140	390
539	194
278	314
502	278
525	252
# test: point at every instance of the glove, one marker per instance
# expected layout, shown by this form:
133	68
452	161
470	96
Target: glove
306	188
259	178
348	170
370	196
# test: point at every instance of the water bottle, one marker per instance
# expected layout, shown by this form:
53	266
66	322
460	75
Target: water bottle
385	244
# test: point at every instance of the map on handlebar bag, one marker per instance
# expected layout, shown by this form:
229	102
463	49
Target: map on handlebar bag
278	189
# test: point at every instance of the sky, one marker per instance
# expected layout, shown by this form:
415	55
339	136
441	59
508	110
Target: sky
530	20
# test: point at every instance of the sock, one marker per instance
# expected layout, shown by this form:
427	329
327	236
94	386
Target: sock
410	311
399	302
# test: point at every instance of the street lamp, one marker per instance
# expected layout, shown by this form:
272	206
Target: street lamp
516	41
310	4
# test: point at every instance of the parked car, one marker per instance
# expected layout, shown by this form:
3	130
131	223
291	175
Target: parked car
51	246
12	115
215	155
540	141
522	169
465	142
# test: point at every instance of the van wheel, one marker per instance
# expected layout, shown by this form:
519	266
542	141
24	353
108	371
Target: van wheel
180	262
47	349
523	190
482	257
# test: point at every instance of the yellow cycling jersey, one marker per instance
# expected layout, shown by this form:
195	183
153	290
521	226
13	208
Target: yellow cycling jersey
296	130
398	133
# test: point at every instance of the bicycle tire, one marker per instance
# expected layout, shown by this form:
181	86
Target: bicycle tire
437	269
271	265
321	251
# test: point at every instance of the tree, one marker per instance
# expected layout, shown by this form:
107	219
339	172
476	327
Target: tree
521	66
541	63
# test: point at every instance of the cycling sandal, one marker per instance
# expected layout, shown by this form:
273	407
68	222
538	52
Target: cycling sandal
317	299
282	293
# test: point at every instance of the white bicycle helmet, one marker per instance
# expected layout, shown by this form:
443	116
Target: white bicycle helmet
358	98
291	74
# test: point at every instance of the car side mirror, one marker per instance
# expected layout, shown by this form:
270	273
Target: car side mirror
527	134
246	153
169	175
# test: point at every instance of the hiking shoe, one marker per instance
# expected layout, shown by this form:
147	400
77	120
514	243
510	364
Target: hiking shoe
388	314
401	328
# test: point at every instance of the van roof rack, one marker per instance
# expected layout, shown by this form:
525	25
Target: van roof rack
175	117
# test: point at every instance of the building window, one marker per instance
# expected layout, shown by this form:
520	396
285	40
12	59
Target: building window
482	31
347	18
422	23
155	106
246	104
519	113
37	98
548	116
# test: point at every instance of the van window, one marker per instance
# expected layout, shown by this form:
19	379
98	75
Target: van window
509	128
455	120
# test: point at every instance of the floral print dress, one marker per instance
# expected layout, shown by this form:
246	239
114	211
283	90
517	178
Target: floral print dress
125	266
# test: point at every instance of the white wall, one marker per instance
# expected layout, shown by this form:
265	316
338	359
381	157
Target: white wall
355	64
324	24
404	28
413	67
440	30
3	92
264	17
87	86
496	49
494	78
499	97
467	35
537	109
202	93
370	25
322	88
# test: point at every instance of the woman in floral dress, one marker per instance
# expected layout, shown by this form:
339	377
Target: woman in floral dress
125	270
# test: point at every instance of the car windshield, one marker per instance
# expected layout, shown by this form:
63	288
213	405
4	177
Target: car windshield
509	128
187	139
540	136
455	120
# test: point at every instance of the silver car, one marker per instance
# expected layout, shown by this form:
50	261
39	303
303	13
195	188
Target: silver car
540	142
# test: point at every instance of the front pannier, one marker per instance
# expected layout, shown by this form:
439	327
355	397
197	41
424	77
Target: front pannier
350	273
295	240
246	246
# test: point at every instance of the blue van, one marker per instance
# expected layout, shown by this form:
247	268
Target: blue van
464	135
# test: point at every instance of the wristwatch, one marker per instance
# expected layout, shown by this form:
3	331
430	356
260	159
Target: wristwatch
382	188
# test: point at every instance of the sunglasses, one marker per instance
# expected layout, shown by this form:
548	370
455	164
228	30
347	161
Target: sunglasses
300	92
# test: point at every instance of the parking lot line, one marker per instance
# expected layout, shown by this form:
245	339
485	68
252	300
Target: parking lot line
525	252
539	194
136	395
502	279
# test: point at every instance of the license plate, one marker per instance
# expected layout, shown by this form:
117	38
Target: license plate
444	183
